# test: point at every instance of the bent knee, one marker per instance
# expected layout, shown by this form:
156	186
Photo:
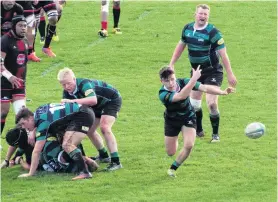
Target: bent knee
52	20
196	104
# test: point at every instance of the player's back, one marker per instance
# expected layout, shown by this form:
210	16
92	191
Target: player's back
54	111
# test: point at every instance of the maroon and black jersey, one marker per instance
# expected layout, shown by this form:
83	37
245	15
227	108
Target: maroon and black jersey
7	15
16	58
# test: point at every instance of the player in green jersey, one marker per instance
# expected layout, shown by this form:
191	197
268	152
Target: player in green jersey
205	44
51	118
179	115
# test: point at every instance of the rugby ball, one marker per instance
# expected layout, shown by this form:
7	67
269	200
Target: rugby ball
255	130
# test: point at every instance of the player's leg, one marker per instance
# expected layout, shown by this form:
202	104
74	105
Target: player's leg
52	14
171	144
196	102
106	123
42	26
108	118
97	141
104	11
59	6
70	141
212	103
214	79
6	98
116	16
19	100
31	23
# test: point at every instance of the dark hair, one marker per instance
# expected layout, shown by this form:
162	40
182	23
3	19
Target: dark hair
165	72
24	113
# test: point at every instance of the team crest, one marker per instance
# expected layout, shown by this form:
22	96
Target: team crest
220	41
20	59
88	92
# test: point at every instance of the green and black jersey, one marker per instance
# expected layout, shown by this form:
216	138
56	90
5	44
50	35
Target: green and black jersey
202	46
91	87
47	114
177	110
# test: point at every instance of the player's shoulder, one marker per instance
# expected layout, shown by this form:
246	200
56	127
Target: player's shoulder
211	28
189	25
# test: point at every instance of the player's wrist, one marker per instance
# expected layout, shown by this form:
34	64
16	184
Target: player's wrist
6	74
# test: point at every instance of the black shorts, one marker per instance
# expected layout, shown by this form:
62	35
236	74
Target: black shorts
7	94
172	127
111	108
80	121
213	77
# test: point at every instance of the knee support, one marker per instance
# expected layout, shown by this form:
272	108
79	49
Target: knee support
196	104
18	105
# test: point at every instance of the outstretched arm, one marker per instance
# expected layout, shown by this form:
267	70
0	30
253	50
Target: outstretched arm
215	90
177	53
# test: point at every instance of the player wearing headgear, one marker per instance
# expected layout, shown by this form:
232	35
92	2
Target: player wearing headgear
14	51
8	10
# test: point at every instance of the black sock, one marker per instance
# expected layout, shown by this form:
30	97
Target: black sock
199	115
116	16
2	126
80	146
76	156
30	50
50	31
115	158
173	167
214	120
42	28
103	153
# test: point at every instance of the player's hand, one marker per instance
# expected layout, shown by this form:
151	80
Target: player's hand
229	90
66	100
232	79
196	74
11	164
4	164
171	66
16	82
25	175
32	137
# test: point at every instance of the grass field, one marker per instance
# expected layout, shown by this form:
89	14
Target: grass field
236	169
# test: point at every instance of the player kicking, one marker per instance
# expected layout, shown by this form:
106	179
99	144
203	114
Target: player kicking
179	115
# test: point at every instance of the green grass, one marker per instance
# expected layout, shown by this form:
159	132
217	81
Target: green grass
237	169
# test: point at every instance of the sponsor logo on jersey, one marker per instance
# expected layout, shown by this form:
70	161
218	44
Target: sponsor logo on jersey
201	39
88	92
220	41
38	134
20	59
85	128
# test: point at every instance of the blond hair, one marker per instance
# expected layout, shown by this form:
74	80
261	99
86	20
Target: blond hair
64	73
203	6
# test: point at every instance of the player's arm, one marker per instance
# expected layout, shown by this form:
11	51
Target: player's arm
185	91
35	158
215	90
16	82
9	154
177	53
226	62
90	98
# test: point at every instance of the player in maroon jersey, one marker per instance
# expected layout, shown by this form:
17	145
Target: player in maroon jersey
8	10
14	51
